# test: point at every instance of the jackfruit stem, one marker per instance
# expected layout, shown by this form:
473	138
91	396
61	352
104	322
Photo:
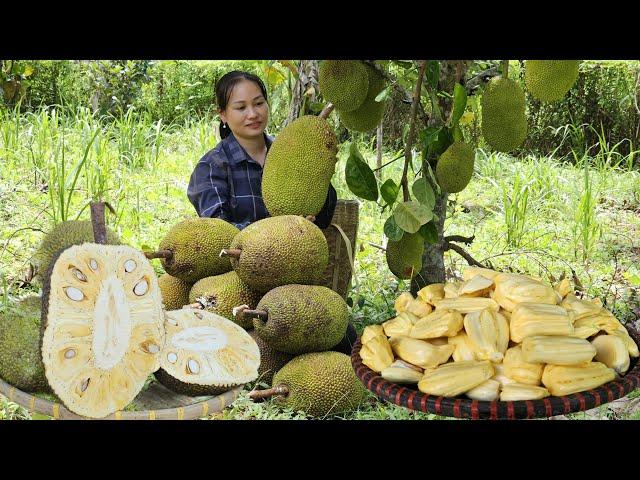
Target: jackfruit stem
261	314
230	252
98	223
270	392
195	305
166	254
326	111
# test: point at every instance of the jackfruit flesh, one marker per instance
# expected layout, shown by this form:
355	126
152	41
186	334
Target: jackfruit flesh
488	332
455	167
557	350
565	380
455	378
463	348
432	292
504	123
402	372
402	301
399	326
196	244
563	287
512	392
478	286
443	323
418	308
205	354
471	272
404	257
550	80
420	353
580	307
299	167
102	327
487	391
467	304
513	289
371	331
612	351
376	353
369	114
345	83
175	292
528	319
516	368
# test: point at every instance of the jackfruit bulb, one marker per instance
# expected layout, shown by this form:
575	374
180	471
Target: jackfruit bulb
550	80
343	82
368	115
504	123
404	257
299	167
455	167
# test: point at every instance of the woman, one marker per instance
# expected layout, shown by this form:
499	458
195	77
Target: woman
227	181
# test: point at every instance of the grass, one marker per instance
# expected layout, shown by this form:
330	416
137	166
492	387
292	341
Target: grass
540	215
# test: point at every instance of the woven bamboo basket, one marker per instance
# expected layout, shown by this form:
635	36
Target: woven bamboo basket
412	398
345	218
157	402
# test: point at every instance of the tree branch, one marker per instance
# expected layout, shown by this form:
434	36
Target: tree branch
461	251
460	238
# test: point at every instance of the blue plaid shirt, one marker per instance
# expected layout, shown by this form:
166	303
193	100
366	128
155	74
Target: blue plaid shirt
227	183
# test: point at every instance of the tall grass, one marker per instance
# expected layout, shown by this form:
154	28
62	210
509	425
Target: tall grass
586	229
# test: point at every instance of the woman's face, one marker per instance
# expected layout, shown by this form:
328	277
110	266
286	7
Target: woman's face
247	111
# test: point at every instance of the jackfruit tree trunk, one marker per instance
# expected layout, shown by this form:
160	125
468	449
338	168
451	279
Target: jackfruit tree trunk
307	79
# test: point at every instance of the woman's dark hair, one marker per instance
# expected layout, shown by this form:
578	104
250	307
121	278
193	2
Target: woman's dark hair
225	85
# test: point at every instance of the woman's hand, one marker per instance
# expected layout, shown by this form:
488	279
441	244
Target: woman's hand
311	218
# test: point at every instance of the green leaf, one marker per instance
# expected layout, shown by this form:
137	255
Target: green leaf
28	70
392	231
445	139
432	73
429	232
459	103
359	176
403	63
410	216
384	94
428	136
389	191
423	192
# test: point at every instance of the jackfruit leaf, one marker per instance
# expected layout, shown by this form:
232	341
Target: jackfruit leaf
444	141
316	107
432	73
384	94
403	63
428	136
410	216
359	176
391	230
28	70
423	192
146	248
389	191
429	232
459	104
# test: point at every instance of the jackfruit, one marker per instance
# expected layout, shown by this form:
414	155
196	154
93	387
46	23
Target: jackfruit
102	327
513	289
279	251
64	235
400	325
463	347
512	392
563	287
612	351
205	354
431	293
302	318
270	359
557	350
529	319
455	378
488	332
487	391
478	286
195	244
20	360
565	380
441	323
420	353
376	353
220	293
402	372
580	307
471	272
621	332
404	257
418	308
299	167
345	83
371	331
455	167
504	123
467	304
451	289
369	114
516	368
320	384
402	301
175	292
550	80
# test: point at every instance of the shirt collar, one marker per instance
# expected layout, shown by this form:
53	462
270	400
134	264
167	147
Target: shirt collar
238	154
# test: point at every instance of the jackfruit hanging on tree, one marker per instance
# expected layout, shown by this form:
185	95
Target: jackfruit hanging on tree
455	167
344	83
404	257
550	80
368	115
504	122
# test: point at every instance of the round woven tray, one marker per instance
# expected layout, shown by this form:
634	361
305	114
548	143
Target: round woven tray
413	399
157	402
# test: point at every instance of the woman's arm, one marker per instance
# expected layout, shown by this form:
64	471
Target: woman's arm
208	190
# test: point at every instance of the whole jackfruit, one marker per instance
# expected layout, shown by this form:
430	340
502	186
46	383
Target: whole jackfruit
504	123
20	360
271	360
404	257
64	235
279	251
299	167
369	114
302	318
175	292
196	244
455	167
220	293
345	83
550	80
320	383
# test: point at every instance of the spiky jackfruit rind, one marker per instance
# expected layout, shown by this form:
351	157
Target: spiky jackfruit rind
299	167
220	293
302	318
196	244
455	167
271	360
320	384
504	122
64	235
344	83
175	292
20	360
550	80
404	257
279	251
189	389
368	115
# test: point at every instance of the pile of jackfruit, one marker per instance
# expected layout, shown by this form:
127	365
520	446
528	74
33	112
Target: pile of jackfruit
499	336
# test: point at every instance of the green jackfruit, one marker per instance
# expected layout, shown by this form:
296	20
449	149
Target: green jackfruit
271	360
220	293
175	292
343	83
64	235
404	257
455	167
550	80
196	245
368	115
280	251
20	360
302	318
504	122
320	384
299	167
